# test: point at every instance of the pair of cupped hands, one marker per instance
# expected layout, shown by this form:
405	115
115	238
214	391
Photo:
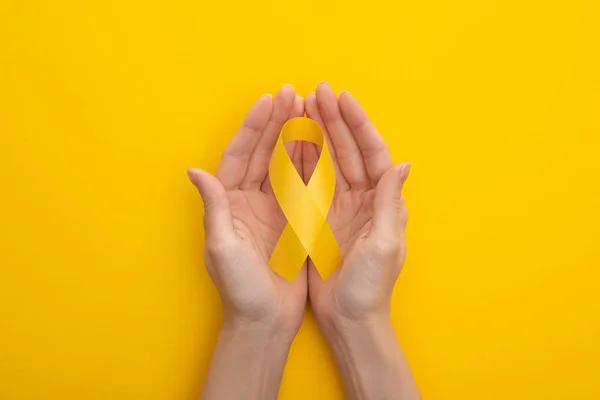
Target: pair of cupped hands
243	220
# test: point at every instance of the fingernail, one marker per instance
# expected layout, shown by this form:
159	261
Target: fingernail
287	85
404	171
323	83
266	96
192	175
346	93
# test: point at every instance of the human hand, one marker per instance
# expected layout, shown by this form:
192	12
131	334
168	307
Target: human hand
367	216
243	222
262	311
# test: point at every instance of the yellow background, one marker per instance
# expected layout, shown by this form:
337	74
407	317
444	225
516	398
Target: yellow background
103	104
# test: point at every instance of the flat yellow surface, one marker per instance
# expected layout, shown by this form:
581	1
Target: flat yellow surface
104	103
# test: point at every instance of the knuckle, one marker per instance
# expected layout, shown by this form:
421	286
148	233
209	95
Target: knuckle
208	206
387	247
219	248
404	216
212	248
398	203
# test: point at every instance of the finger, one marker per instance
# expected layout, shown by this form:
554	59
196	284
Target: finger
314	281
347	151
298	107
300	283
296	157
375	152
258	166
294	149
296	146
236	156
217	215
310	156
312	112
388	205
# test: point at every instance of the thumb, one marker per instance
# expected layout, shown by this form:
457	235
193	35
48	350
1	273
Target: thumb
388	211
217	215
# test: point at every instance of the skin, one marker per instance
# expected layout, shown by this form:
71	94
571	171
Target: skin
262	311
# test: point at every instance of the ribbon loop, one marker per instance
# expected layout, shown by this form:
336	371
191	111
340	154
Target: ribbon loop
305	206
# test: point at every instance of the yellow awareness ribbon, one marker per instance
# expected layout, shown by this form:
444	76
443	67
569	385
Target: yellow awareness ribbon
307	232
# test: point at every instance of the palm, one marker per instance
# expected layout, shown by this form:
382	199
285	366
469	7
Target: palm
350	217
257	220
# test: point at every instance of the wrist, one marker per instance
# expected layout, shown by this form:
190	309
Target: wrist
372	328
336	324
256	333
369	357
248	361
